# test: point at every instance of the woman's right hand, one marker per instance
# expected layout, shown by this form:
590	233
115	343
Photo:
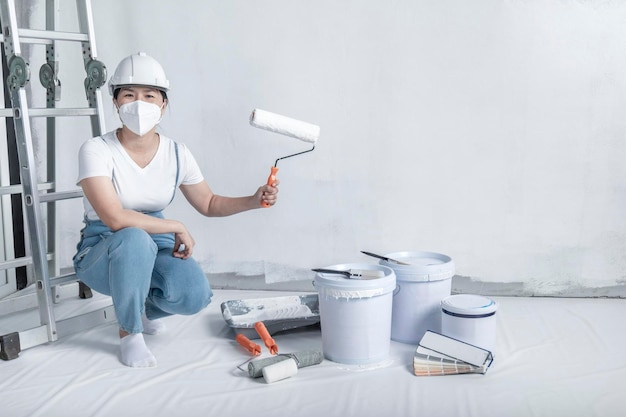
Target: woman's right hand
183	244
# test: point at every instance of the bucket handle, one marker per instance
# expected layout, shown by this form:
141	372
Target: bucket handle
396	290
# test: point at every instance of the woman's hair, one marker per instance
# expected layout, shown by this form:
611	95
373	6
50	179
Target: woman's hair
117	91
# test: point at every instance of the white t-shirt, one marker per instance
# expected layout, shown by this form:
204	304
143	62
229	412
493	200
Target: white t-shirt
145	189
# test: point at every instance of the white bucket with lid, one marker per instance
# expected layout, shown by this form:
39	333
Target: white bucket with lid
421	286
471	319
355	314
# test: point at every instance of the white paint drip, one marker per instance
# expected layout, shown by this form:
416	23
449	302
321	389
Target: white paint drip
277	313
341	293
262	309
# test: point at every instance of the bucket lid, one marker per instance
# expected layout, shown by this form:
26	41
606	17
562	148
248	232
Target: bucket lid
340	286
468	305
423	266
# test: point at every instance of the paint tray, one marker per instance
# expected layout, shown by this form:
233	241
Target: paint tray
277	313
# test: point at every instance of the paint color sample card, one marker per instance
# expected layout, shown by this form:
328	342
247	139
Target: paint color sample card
441	355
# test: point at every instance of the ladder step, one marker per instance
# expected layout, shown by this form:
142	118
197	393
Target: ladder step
43	197
17	188
45	37
60	195
22	261
53	112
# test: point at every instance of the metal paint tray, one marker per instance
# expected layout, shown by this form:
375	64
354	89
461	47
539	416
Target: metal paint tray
277	313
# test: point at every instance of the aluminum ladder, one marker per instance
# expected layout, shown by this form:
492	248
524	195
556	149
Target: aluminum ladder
48	289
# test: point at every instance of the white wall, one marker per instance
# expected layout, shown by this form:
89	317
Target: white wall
491	131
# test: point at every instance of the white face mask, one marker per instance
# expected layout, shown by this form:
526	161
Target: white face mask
139	116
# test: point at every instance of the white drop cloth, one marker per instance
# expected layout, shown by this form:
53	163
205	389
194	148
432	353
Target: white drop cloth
554	357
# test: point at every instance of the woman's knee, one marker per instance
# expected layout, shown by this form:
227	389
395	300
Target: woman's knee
198	297
134	242
135	238
181	284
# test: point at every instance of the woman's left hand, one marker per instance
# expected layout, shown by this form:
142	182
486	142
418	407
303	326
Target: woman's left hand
183	244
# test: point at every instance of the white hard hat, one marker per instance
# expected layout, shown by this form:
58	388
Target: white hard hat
139	69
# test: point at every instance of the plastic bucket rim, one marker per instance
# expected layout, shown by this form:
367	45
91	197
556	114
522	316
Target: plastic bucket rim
486	309
420	273
347	285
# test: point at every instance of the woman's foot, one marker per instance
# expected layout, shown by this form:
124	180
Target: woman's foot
135	353
152	326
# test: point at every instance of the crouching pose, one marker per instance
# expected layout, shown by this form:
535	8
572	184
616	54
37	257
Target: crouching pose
128	250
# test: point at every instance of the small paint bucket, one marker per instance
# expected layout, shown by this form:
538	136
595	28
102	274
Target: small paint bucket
471	319
421	286
355	314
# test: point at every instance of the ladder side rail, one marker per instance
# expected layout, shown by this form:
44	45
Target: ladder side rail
48	76
8	278
96	70
17	79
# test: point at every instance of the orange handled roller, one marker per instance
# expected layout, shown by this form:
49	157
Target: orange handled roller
265	335
303	131
249	345
270	181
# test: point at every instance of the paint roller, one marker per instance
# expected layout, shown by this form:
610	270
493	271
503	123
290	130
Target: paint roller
283	366
285	126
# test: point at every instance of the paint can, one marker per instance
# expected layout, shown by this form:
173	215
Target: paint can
421	286
471	319
355	314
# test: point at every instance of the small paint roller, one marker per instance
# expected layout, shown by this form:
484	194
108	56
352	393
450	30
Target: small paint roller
265	336
285	126
280	370
303	359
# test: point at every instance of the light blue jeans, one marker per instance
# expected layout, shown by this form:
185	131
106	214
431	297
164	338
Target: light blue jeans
139	272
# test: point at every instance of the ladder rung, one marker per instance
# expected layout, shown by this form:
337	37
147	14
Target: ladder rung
44	197
59	195
53	112
21	261
16	263
45	37
17	188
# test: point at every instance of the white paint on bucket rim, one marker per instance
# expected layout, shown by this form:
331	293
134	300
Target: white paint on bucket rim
340	286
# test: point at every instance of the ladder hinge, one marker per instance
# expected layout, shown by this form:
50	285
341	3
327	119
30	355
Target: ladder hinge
96	75
48	78
19	73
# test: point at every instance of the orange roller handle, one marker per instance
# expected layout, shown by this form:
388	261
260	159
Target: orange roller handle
265	336
270	181
249	345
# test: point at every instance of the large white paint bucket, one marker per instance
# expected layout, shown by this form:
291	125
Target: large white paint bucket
355	314
421	286
471	319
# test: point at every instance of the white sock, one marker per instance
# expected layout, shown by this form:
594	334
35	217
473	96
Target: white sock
135	353
152	326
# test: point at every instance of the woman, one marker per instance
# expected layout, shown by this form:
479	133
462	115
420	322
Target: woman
128	250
